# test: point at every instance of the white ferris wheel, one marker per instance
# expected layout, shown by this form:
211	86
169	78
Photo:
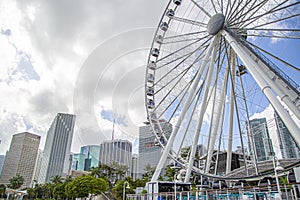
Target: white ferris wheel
213	64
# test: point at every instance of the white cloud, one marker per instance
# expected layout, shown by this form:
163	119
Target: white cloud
59	37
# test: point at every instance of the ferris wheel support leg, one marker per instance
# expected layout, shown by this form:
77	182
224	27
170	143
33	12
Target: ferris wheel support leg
231	113
216	125
202	111
265	86
191	92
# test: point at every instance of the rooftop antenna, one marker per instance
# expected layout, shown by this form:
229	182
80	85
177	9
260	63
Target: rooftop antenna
113	131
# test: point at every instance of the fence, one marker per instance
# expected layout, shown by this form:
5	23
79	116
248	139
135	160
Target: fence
288	192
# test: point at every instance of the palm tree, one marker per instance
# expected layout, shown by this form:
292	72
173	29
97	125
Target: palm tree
149	171
16	181
56	179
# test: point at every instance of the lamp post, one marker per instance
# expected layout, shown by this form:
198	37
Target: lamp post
125	186
175	186
277	166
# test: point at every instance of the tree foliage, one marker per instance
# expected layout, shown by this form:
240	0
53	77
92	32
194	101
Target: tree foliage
2	189
82	186
16	181
111	172
117	191
149	171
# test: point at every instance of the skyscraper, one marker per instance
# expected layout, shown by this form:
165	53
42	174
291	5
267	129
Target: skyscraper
78	162
149	152
37	167
287	144
134	166
261	139
2	158
56	157
119	151
21	157
91	156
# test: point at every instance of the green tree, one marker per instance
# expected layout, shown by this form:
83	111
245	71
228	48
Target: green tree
110	172
149	171
16	181
68	179
30	192
117	191
38	190
56	179
59	191
82	186
47	190
2	190
141	182
170	173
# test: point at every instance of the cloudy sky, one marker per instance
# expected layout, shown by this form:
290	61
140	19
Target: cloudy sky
87	58
81	57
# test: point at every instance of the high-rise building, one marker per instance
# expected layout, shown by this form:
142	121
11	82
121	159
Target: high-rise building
78	162
91	156
37	167
261	139
288	146
149	152
119	151
21	157
2	158
134	166
56	158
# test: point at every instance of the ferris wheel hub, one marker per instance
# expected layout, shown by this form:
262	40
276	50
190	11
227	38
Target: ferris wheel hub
215	24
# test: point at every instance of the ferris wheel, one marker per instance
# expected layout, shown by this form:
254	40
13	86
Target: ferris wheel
212	66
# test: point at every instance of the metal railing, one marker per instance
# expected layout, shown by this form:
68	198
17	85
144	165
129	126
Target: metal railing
289	192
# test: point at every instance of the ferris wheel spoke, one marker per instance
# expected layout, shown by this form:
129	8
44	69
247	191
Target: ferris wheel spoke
271	29
191	116
180	94
275	57
278	20
178	50
253	17
184	56
214	6
178	38
251	11
201	8
182	40
184	72
189	21
238	117
274	36
241	14
250	136
227	8
233	9
186	34
222	7
273	10
182	61
272	32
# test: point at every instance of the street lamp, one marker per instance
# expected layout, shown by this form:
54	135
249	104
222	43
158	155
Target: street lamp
125	186
277	166
175	186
